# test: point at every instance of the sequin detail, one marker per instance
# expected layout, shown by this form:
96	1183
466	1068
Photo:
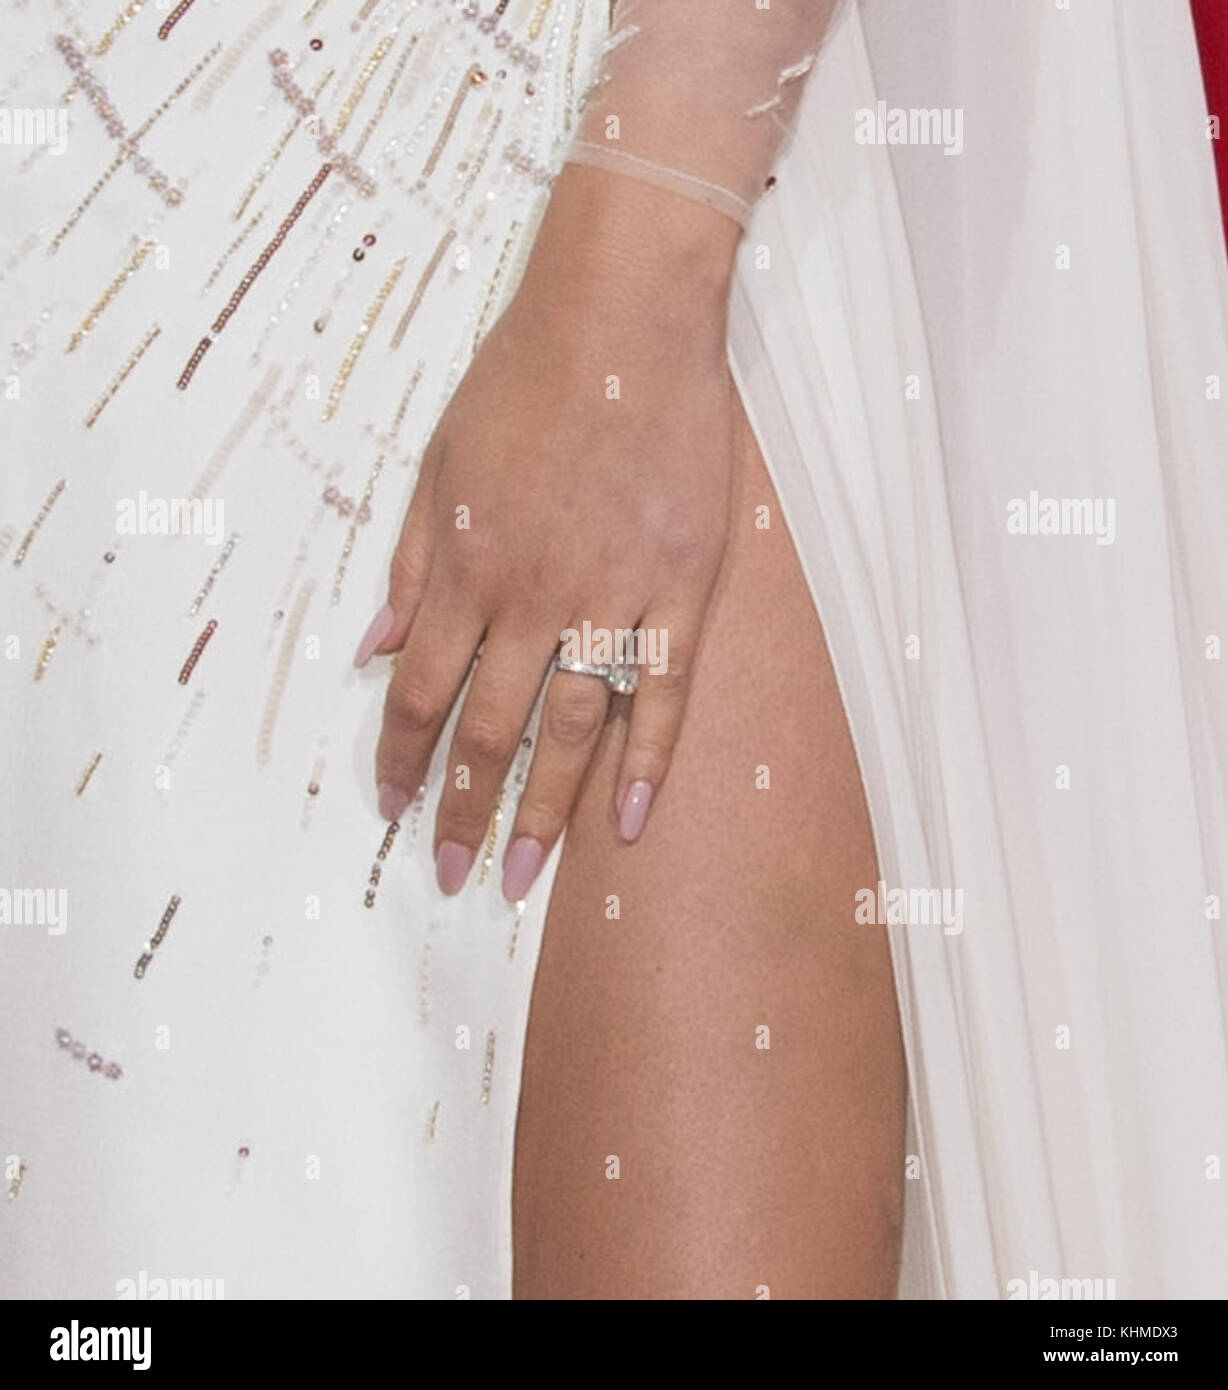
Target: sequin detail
146	957
198	647
93	1060
164	30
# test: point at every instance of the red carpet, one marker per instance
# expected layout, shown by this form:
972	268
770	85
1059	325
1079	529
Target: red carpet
1211	22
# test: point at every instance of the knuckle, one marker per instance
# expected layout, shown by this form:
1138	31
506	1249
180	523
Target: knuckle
409	569
651	752
466	566
574	720
677	535
487	740
413	706
540	817
472	561
683	548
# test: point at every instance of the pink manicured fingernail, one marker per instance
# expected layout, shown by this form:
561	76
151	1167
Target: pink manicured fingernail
392	801
522	865
381	625
637	801
452	865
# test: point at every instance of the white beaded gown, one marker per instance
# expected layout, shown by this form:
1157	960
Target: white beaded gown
320	1060
243	1039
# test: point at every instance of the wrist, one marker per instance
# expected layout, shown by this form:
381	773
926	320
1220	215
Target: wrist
646	243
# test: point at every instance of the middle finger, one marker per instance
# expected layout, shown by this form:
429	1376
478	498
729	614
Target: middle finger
497	708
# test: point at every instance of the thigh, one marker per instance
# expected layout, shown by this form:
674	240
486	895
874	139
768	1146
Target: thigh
713	1093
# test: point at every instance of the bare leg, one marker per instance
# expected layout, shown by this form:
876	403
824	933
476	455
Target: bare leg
739	1166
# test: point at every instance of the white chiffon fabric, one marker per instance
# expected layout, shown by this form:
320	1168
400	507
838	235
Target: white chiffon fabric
1038	717
318	1097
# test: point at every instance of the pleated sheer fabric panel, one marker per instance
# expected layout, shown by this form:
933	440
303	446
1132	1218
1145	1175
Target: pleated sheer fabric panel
698	96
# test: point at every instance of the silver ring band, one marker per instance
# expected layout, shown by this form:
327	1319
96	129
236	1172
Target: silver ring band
621	680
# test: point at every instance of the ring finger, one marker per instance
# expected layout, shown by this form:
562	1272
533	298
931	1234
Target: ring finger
573	719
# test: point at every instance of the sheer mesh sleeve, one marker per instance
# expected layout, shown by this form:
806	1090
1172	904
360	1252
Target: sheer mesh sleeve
698	95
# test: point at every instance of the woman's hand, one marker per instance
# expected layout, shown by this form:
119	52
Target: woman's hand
580	474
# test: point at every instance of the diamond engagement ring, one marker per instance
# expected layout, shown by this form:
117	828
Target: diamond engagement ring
621	680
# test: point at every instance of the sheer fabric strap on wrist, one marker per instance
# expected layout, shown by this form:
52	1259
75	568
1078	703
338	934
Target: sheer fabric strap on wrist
701	190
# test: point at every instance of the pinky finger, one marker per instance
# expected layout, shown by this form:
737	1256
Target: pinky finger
657	711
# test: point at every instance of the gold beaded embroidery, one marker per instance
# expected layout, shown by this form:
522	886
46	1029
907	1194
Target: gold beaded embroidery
496	283
46	652
358	91
519	769
281	674
211	578
84	204
492	837
432	1122
123	19
36	525
406	397
233	247
423	282
135	262
488	1068
538	20
514	940
475	77
84	780
279	149
125	371
350	360
569	81
386	97
348	548
478	162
